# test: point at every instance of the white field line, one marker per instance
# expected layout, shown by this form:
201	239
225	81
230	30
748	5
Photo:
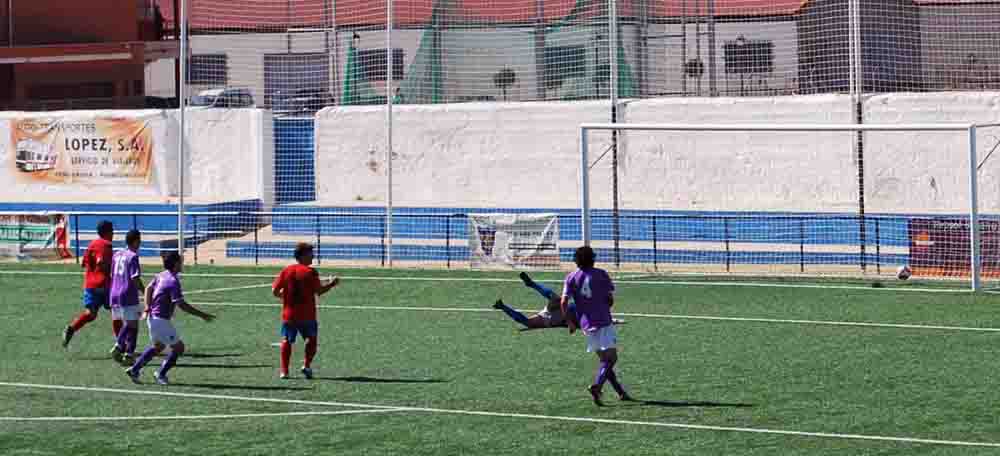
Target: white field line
192	417
913	440
641	315
498	280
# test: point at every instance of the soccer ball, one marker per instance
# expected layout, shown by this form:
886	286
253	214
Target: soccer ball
903	272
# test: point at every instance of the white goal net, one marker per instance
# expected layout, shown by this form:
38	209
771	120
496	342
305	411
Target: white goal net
814	199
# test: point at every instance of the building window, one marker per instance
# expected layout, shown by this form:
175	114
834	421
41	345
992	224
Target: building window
371	63
72	91
743	56
563	62
208	69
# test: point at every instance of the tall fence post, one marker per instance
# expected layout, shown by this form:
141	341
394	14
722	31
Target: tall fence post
194	221
802	245
256	248
76	233
382	253
447	240
725	234
878	248
319	243
655	249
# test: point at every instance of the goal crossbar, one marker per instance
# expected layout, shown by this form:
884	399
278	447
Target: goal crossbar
969	127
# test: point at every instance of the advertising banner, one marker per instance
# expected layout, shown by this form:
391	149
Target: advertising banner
514	240
33	237
939	247
97	151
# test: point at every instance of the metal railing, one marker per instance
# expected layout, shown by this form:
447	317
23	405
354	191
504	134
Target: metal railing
724	230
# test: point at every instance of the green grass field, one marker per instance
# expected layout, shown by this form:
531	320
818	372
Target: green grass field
416	362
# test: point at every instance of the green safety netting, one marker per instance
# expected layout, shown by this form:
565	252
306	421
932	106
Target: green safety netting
423	78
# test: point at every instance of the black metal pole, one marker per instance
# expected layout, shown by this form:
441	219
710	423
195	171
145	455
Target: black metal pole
135	221
614	187
194	221
76	231
256	248
319	244
382	223
447	241
878	248
654	245
861	182
725	230
802	245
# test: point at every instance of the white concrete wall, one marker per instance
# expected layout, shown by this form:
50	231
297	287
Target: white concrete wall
929	171
230	156
526	155
472	154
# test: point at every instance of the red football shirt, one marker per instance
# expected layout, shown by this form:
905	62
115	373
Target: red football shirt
97	264
299	284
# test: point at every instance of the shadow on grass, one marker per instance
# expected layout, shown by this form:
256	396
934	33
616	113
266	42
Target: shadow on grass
223	366
209	355
381	380
165	353
219	386
688	403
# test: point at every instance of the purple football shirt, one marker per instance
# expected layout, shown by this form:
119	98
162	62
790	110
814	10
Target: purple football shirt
124	268
166	294
591	289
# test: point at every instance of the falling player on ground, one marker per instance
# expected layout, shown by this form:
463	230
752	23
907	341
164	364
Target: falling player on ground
550	316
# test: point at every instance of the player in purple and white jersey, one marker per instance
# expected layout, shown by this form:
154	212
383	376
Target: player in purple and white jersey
163	296
593	292
126	281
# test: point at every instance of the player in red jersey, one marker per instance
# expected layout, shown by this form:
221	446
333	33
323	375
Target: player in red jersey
298	285
96	279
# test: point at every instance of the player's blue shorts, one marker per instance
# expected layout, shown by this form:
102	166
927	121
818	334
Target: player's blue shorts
95	298
291	329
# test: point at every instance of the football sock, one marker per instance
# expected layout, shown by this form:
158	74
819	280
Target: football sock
602	372
543	290
116	326
286	355
82	320
613	380
170	361
122	340
133	334
144	358
513	314
311	345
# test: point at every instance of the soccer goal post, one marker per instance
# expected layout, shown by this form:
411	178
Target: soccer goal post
790	199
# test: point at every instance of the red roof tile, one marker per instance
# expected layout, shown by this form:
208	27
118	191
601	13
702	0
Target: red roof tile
279	14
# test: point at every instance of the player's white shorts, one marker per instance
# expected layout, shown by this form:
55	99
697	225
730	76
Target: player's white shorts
127	313
162	331
601	339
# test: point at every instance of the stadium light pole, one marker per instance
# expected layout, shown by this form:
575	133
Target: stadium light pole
181	107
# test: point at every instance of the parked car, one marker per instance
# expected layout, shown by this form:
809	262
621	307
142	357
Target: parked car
223	98
301	101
